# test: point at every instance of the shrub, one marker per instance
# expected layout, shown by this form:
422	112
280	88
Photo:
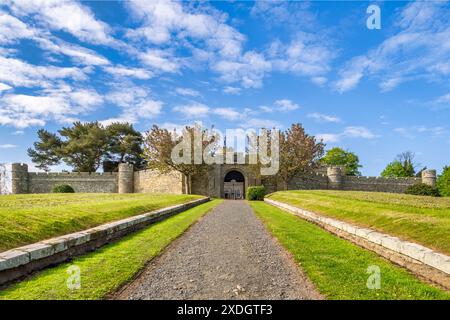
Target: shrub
63	188
422	189
256	193
443	182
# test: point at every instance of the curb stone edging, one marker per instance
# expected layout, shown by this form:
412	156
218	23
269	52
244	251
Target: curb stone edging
412	250
18	262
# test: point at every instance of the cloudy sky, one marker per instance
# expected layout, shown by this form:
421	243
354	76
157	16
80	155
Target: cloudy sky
232	64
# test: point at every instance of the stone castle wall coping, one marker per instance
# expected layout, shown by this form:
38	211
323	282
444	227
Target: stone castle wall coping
17	262
412	250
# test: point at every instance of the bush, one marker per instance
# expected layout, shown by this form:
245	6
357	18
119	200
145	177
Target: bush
422	189
256	193
443	182
63	188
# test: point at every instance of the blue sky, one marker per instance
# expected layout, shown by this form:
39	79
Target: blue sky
232	64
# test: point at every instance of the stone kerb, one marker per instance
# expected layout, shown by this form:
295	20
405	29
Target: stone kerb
18	262
411	250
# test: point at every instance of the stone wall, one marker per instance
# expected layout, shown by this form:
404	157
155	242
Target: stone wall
210	184
39	182
149	181
396	185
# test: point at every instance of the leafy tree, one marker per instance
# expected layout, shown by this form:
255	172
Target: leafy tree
403	166
124	145
47	151
159	144
85	146
340	157
299	153
443	182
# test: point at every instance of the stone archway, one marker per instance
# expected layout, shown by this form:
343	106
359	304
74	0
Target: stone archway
234	185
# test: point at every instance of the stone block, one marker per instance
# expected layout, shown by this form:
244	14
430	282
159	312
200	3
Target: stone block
392	243
375	237
57	244
13	258
438	261
38	250
414	251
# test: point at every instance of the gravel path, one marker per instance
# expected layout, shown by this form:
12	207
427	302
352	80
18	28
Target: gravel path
226	255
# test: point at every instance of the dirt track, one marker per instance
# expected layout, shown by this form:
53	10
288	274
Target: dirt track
226	255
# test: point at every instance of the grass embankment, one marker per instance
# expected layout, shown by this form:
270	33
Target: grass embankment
29	218
338	267
105	270
424	220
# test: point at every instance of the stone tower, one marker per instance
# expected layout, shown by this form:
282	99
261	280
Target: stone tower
19	178
126	178
335	177
429	177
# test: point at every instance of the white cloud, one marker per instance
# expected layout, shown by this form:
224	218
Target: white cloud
136	103
257	123
122	71
164	20
79	54
227	113
419	50
18	73
60	104
67	15
193	110
7	146
444	99
358	132
285	105
307	55
232	90
160	60
349	132
328	137
12	29
4	87
413	131
187	92
323	117
248	70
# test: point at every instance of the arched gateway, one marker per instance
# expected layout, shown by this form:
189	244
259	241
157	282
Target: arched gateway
234	185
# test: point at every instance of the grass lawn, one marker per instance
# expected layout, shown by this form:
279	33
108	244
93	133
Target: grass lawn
29	218
105	270
338	267
424	220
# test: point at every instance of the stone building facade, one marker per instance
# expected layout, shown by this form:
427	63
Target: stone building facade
221	181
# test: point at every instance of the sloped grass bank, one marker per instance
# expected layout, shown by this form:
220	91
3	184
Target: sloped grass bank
424	220
337	267
105	270
30	218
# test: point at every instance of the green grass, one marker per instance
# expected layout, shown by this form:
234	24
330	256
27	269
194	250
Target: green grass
424	220
338	267
105	270
29	218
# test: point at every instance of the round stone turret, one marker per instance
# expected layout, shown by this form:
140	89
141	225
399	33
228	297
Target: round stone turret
19	178
335	177
126	178
429	177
